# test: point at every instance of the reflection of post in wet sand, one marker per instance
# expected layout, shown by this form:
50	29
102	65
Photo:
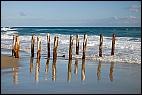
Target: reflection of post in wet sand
69	70
54	70
111	71
15	75
31	64
46	68
83	70
99	70
37	69
76	66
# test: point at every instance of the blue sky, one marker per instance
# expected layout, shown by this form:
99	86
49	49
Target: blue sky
71	13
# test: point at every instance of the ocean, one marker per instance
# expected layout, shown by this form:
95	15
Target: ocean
127	47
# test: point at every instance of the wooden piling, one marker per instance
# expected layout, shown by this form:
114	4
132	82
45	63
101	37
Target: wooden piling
32	46
38	47
113	44
48	45
84	45
77	45
17	47
100	46
55	48
70	47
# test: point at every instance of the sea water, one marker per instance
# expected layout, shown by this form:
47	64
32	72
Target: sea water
127	47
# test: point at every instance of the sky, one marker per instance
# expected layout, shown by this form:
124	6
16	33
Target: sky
71	13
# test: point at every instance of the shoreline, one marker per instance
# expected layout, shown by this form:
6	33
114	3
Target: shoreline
69	77
8	61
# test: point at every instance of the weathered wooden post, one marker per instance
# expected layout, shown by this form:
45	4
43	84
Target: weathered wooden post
100	46
77	45
17	47
113	44
55	48
99	70
69	70
48	45
38	48
84	45
32	46
70	48
13	43
83	70
111	71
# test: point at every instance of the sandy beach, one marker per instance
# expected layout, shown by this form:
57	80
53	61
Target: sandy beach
9	62
65	76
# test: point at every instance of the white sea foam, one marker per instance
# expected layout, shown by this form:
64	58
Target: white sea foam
127	49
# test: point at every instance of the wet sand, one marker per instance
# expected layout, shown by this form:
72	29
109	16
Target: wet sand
68	77
9	62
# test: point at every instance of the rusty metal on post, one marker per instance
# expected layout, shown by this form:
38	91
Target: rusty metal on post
113	44
70	48
32	46
100	46
77	44
48	45
84	45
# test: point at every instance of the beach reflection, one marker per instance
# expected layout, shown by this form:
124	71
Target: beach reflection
69	70
76	67
31	64
46	68
99	70
37	69
15	74
83	70
54	70
111	71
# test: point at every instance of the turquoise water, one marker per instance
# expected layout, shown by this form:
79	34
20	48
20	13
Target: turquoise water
127	47
106	31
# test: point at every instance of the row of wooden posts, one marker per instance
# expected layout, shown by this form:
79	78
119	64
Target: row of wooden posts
16	46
